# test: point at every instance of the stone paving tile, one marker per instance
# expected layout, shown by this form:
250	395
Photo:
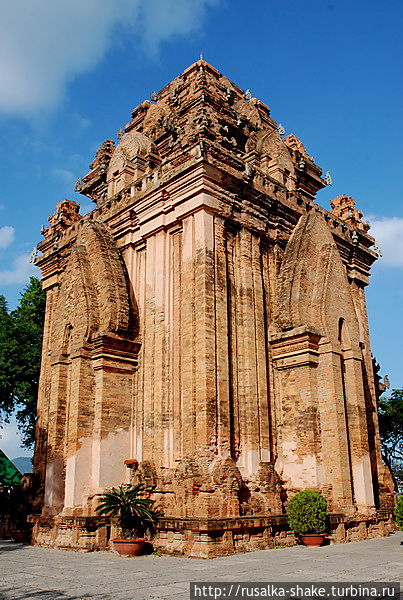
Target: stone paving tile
32	573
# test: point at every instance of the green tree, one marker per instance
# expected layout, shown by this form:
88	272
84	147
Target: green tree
21	334
6	375
390	414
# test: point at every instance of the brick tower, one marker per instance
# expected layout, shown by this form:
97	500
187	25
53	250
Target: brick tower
206	333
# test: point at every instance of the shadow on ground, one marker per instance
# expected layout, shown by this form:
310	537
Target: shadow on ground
23	594
11	593
8	546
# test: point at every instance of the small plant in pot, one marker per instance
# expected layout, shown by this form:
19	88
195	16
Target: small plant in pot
135	513
399	513
307	516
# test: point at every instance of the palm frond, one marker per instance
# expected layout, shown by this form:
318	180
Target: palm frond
131	504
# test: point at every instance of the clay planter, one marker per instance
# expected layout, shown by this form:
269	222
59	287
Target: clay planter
313	539
18	536
129	547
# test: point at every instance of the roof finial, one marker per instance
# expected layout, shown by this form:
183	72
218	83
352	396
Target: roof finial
33	255
201	56
281	129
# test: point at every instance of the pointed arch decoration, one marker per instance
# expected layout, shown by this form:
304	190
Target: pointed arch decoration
94	294
314	289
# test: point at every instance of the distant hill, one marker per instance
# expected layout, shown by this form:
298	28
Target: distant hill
23	464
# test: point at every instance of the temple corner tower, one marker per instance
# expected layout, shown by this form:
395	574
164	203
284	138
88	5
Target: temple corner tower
206	334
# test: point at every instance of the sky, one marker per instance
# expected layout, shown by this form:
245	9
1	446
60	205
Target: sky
331	72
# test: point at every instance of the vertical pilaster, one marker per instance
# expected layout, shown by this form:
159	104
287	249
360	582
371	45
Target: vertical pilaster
377	466
79	428
269	294
114	366
249	410
222	342
54	476
260	335
358	431
43	404
295	356
138	417
336	451
148	354
161	450
234	346
204	348
175	345
188	357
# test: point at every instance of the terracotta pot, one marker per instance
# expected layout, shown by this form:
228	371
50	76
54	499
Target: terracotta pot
313	539
129	547
18	536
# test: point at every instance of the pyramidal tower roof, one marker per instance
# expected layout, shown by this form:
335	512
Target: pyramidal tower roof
202	113
201	118
200	83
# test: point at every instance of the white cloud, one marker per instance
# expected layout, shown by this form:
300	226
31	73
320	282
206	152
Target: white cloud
6	236
388	232
164	19
45	44
11	440
64	174
81	123
21	271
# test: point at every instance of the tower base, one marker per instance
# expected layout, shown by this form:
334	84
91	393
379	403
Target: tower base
204	538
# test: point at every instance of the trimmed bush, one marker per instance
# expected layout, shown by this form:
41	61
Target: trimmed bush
307	512
399	512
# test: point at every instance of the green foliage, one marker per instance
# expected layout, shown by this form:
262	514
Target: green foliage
390	414
20	355
134	510
9	474
307	512
399	512
7	346
14	506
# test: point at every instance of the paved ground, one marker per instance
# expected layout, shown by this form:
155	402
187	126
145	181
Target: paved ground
32	573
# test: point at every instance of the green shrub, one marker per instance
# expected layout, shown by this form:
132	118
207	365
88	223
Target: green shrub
307	512
399	512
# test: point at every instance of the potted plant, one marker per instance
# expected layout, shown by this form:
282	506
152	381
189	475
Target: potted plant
307	516
399	513
135	515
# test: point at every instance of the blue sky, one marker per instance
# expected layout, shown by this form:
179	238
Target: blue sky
331	72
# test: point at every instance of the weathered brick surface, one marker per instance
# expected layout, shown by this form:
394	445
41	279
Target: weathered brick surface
206	321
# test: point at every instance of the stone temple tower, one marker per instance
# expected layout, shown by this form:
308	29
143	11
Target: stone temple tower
206	333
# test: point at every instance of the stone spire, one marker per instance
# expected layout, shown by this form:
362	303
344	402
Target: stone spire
344	207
